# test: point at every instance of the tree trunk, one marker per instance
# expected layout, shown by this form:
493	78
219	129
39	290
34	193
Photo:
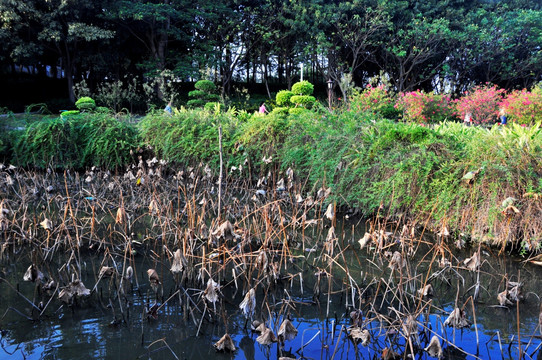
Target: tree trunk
265	76
68	72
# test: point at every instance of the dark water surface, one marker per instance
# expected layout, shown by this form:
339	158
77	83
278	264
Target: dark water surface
93	327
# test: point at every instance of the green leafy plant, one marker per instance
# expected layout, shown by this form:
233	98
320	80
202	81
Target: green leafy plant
108	142
56	143
375	100
303	88
283	97
305	101
85	103
40	108
203	94
69	113
189	136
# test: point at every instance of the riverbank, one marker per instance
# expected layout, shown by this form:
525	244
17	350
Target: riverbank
475	183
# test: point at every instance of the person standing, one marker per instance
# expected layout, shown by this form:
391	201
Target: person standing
263	110
468	119
502	116
169	109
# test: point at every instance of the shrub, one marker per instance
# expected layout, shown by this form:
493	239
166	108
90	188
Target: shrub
85	103
280	110
263	136
203	94
211	106
121	93
303	100
102	110
189	136
108	142
195	103
524	107
196	94
439	107
297	110
421	107
303	88
482	102
207	86
283	97
56	142
374	100
69	113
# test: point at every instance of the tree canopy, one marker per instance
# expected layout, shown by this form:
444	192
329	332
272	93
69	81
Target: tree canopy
443	45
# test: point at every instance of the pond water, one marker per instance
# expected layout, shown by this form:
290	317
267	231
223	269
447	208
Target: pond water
344	300
107	326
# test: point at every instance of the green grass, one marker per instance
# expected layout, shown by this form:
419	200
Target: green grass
378	166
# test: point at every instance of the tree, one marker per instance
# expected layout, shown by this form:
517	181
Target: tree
38	28
355	31
158	25
414	54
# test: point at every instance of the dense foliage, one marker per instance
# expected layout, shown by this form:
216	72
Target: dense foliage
435	45
450	175
76	141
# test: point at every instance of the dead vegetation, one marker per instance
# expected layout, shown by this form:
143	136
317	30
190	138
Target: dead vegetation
273	250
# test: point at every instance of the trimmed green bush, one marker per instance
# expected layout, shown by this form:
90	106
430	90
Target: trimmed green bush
85	104
283	97
295	111
195	103
203	94
207	86
303	88
69	113
303	100
196	93
280	110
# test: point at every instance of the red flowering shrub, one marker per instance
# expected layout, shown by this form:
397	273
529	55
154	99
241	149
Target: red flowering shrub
376	100
418	106
482	102
524	107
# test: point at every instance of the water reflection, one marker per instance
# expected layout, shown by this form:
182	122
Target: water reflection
89	331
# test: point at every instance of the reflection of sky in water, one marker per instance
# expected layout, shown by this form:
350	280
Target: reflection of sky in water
93	338
85	332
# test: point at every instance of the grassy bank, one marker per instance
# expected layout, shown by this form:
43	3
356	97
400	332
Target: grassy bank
476	182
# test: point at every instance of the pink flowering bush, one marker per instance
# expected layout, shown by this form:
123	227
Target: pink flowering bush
482	102
524	107
374	99
421	107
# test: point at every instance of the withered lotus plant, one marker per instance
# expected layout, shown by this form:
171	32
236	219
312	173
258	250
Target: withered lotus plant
120	218
106	272
248	305
457	319
74	289
473	263
33	274
225	344
357	334
267	337
434	349
154	280
211	292
177	264
287	331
